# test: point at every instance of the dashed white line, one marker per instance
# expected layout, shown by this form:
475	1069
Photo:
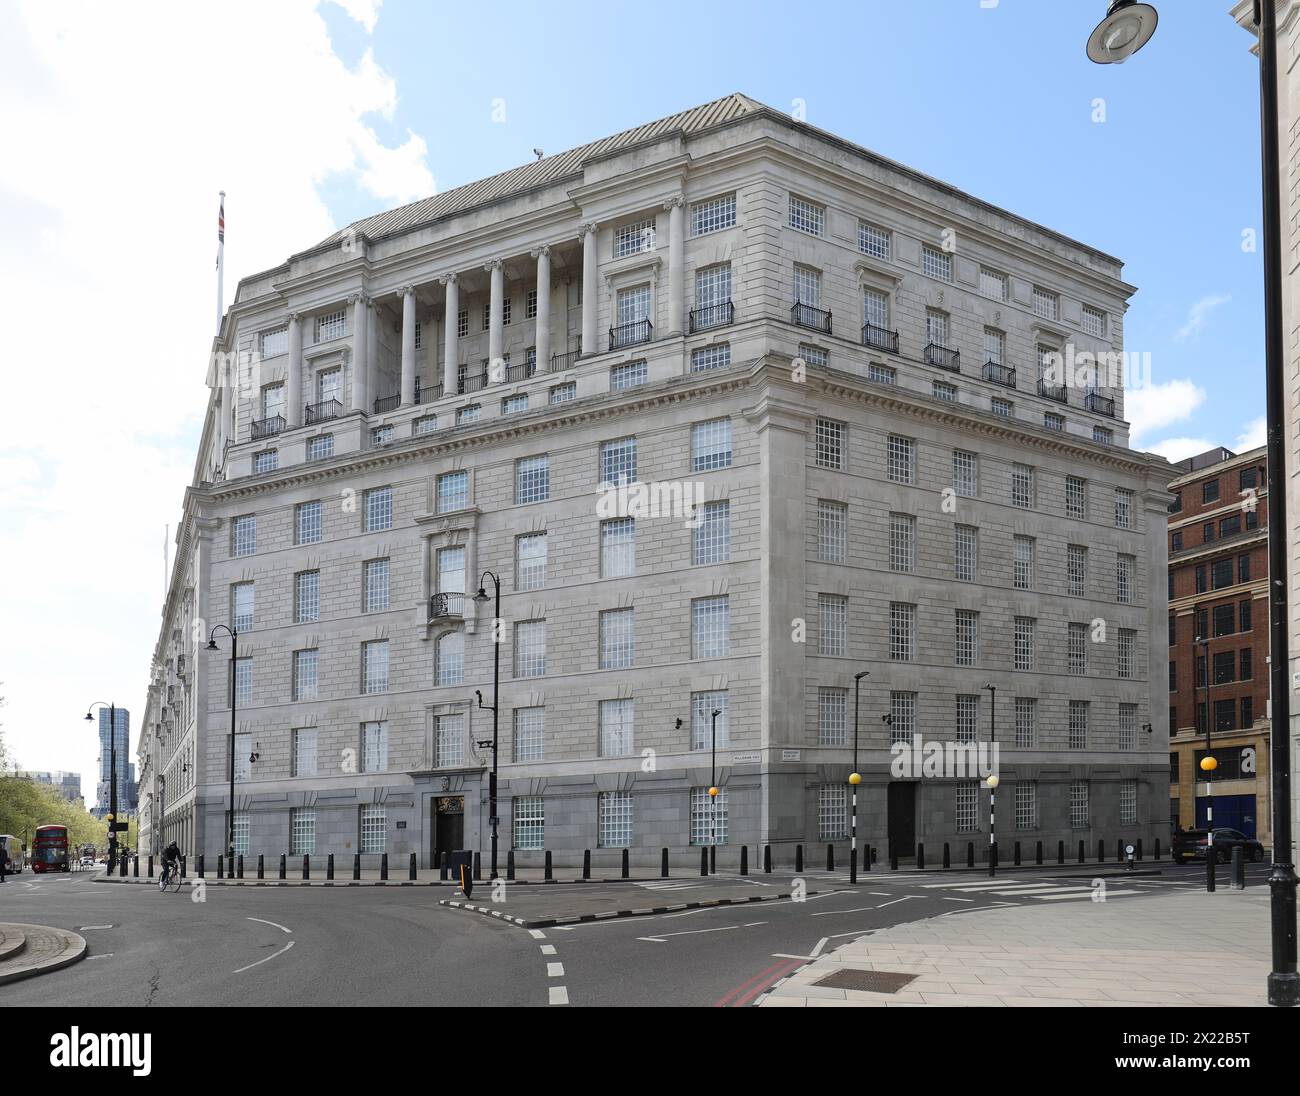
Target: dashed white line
548	949
87	928
267	959
559	995
554	970
537	934
271	923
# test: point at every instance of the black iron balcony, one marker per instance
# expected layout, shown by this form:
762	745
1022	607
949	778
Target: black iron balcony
943	357
267	428
713	315
881	338
631	334
471	382
323	411
999	374
442	606
1102	405
1057	392
520	372
564	361
427	395
388	403
817	319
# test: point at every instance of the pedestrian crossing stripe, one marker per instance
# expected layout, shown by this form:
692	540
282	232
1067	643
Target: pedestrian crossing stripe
666	885
1042	891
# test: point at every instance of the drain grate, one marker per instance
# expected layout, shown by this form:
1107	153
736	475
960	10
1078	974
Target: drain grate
872	981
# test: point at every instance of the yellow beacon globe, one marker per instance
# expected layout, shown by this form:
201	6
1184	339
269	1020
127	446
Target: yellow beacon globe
1209	764
855	778
713	791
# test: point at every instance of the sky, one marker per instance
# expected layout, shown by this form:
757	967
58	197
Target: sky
121	122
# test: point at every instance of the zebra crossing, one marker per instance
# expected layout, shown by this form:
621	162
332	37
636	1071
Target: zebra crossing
668	885
1041	891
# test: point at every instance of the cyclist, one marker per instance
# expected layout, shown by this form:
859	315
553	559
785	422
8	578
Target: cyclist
170	861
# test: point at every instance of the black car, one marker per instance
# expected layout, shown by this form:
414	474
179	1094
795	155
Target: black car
1192	844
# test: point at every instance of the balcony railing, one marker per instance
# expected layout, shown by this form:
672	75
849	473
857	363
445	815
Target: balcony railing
323	411
631	334
388	403
427	395
1102	405
520	372
267	428
999	374
943	357
817	319
564	361
471	382
1057	392
442	606
713	315
881	338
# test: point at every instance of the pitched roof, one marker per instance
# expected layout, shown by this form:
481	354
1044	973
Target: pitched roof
543	171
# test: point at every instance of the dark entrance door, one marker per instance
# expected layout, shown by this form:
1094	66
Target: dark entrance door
448	825
902	817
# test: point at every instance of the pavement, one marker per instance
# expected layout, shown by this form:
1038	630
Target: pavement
29	950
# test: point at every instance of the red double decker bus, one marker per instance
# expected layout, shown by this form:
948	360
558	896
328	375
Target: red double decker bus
50	849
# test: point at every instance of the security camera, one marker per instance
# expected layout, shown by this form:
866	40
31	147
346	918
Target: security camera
679	724
887	719
538	153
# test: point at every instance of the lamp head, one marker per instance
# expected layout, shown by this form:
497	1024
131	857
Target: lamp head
90	718
1128	27
1209	764
212	644
481	596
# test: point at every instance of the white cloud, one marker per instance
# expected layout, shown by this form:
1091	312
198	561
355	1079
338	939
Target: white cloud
1253	435
119	131
1176	449
1199	314
1155	406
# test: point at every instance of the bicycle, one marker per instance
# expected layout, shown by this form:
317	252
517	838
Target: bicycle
170	879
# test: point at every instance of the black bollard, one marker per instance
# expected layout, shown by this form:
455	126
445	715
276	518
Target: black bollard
122	873
704	861
443	869
547	870
970	854
830	857
329	867
478	866
306	865
586	863
356	866
151	865
413	868
713	859
1082	854
867	857
282	865
893	858
1060	852
510	864
1157	856
1119	850
798	860
947	856
1038	853
261	867
663	863
182	867
1238	868
221	865
1139	848
744	859
239	866
1101	851
625	864
920	855
135	868
767	859
1015	855
383	866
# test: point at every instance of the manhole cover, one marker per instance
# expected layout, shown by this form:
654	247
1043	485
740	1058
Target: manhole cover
872	981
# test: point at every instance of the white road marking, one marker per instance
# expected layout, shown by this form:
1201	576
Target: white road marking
548	949
271	923
783	955
836	913
971	886
267	959
1056	897
554	970
559	995
897	900
87	928
537	934
106	955
949	898
661	937
820	944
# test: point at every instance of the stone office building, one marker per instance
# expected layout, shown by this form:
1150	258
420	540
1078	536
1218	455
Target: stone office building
818	377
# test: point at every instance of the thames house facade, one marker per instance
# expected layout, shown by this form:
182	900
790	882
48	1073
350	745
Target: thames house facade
735	410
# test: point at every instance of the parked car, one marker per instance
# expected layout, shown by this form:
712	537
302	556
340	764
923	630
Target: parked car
87	861
1192	845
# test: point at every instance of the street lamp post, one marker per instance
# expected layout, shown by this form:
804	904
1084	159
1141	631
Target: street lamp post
234	701
481	597
1208	764
1128	26
855	778
713	798
993	778
112	779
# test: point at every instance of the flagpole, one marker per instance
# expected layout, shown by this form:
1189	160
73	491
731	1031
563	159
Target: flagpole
221	259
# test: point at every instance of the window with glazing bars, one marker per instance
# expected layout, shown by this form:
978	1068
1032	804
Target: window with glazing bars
306	679
967	806
936	327
832	812
304	751
332	325
617	638
243	535
1094	321
993	284
710	627
942	390
627	375
302	831
320	447
1023	565
635	238
902	717
814	355
882	374
902	459
831	444
713	286
713	214
708	817
615	728
614	829
703	705
374	746
1128	726
266	461
808	286
1077	655
1126	648
243	753
1027	805
711	538
513	405
1047	305
528	822
379	509
715	356
832	716
530	648
1053	421
374	827
374	581
1128	802
472	413
1103	435
274	342
965	473
1125	567
833	624
875	308
1078	725
618	461
711	445
1024	643
1026	722
832	531
1002	407
449	740
530	561
462	322
965	553
563	393
1022	486
807	217
936	263
309	524
1076	500
873	240
632	305
532	479
1123	508
968	713
453	491
1076	569
243	682
1079	804
374	666
902	631
617	547
241	606
902	542
529	734
968	637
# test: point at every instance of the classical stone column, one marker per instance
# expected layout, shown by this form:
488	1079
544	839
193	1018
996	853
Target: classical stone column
543	340
408	345
676	207
293	389
360	352
590	295
451	330
496	370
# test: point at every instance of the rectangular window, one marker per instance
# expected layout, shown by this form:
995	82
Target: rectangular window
241	606
1103	435
968	710
332	325
832	812
807	217
1128	802
1078	724
530	648
528	822
243	535
1126	653
936	263
1076	569
274	342
1022	486
617	639
374	827
304	751
1053	421
1002	407
635	238
614	827
966	553
532	480
374	746
243	681
266	461
902	459
449	659
1125	571
529	734
965	473
967	806
711	445
472	413
995	345
942	390
562	393
1026	722
936	327
1076	497
902	542
615	728
1027	805
451	570
873	240
712	290
1077	651
1123	508
462	322
993	284
617	547
1024	554
530	561
713	215
814	355
1047	305
320	447
715	356
374	666
449	741
881	374
832	444
379	509
306	679
513	405
627	375
308	524
374	585
710	627
808	286
875	308
832	617
381	435
703	705
1079	804
832	531
708	820
968	637
1024	643
302	831
1094	322
832	717
453	491
902	632
711	538
902	717
505	316
618	462
1128	726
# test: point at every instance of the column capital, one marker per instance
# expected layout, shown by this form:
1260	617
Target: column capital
295	317
450	278
538	252
587	227
493	264
676	201
406	291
